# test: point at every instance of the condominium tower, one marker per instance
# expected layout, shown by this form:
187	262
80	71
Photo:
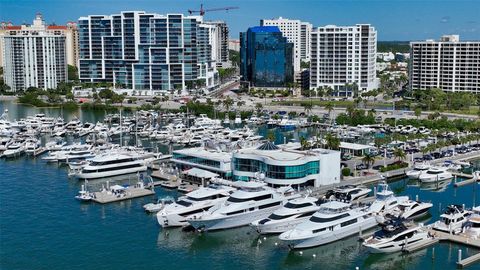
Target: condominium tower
220	43
146	52
34	56
344	58
449	64
296	32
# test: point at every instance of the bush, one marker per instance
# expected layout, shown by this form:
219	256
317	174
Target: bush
346	171
394	166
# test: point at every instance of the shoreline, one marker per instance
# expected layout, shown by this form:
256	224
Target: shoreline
8	98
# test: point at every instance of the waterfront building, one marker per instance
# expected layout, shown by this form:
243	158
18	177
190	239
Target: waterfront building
220	43
266	57
343	58
296	32
302	78
218	162
234	45
34	55
449	64
70	31
147	52
281	166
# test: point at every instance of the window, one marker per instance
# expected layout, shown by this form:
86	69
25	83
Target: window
279	217
323	220
235	212
294	206
319	230
184	203
349	222
269	205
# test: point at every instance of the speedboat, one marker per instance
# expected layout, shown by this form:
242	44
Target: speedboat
253	201
194	202
347	193
396	236
435	174
333	221
157	206
417	170
290	215
108	165
472	227
411	209
385	199
453	219
84	195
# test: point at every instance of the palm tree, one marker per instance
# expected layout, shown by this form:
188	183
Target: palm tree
329	107
307	107
270	136
333	142
304	143
350	110
258	107
399	154
368	160
227	103
240	103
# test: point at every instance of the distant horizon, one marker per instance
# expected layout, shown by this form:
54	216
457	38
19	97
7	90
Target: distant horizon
394	20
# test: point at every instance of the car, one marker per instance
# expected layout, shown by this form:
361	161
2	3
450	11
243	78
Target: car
428	157
437	155
418	159
346	157
377	167
361	166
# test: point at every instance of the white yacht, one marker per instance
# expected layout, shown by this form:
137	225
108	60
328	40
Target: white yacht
453	219
417	170
290	215
253	201
108	165
385	199
435	174
411	209
194	202
32	145
70	152
4	142
158	205
15	149
347	193
472	227
334	221
396	236
238	119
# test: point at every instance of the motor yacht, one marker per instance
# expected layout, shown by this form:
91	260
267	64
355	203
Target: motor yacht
253	201
453	219
194	202
14	149
417	170
4	141
435	174
333	221
290	215
238	119
411	209
347	193
32	145
396	236
158	205
385	199
472	227
109	165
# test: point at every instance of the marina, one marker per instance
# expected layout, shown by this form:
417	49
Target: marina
118	209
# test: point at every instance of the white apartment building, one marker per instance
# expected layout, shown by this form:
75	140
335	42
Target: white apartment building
296	32
449	64
219	42
344	56
34	56
70	31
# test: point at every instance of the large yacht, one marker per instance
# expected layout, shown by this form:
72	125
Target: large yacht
253	201
290	215
472	227
334	221
411	209
14	149
453	219
417	170
435	174
194	202
108	165
347	193
70	152
385	199
395	236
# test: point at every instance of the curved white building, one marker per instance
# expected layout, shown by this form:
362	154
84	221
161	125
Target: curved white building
281	166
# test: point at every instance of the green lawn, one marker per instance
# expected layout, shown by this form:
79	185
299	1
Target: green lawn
336	103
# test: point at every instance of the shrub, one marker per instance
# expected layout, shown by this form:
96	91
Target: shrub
346	171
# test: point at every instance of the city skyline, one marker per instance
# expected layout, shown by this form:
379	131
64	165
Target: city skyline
426	19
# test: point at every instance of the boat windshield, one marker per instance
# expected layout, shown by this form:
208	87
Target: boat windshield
279	217
329	219
184	203
295	205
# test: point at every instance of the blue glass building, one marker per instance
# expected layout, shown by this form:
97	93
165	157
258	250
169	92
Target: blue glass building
266	57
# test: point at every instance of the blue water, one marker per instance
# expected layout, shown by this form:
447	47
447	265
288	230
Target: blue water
42	226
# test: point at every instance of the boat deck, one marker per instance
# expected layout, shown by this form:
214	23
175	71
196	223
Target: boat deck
130	193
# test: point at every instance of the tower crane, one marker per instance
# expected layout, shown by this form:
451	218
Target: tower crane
202	11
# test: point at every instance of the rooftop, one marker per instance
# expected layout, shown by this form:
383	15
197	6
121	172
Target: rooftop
265	29
202	152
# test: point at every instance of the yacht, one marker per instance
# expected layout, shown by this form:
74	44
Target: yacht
411	209
70	152
385	199
333	221
435	174
290	215
4	141
108	165
472	227
452	219
347	193
158	205
194	202
417	170
32	146
238	119
395	236
253	201
15	149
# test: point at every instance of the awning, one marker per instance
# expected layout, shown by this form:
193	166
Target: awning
116	188
199	173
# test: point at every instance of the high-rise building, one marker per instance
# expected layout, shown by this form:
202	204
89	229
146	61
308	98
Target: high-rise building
296	32
266	57
220	43
69	31
449	64
146	52
34	56
344	58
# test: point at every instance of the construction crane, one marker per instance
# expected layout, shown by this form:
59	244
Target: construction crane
202	11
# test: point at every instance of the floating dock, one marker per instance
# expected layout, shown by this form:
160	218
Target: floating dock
467	261
104	197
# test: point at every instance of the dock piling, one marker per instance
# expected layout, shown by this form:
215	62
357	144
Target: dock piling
459	255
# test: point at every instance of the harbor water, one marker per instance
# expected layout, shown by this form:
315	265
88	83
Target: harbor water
42	226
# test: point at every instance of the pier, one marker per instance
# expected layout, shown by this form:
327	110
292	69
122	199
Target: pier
104	197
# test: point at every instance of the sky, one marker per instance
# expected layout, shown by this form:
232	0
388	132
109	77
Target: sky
403	20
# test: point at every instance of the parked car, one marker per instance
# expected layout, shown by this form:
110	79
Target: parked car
361	166
428	157
418	159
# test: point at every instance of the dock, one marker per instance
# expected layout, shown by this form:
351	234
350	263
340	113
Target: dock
164	176
421	245
104	197
467	261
